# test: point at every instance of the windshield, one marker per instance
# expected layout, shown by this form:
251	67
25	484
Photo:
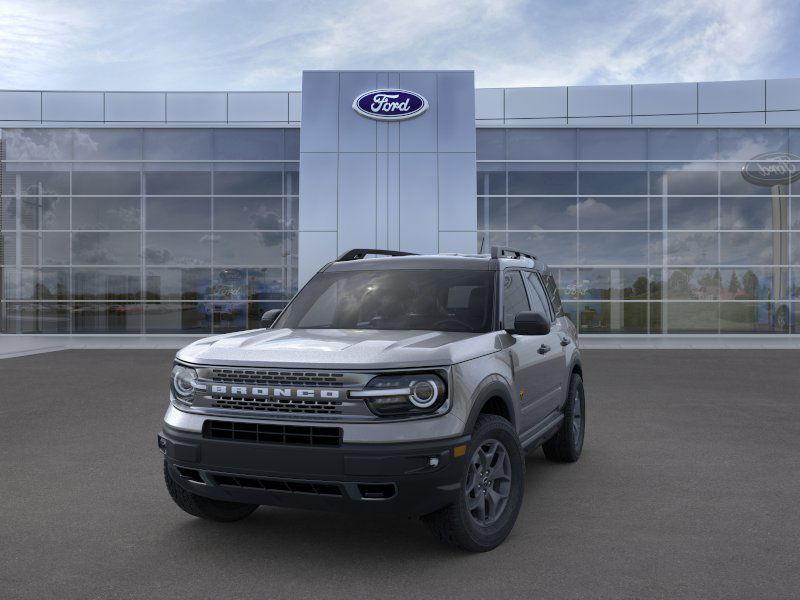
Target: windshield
438	300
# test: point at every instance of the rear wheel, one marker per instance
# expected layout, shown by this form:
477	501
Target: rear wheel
205	508
567	443
492	488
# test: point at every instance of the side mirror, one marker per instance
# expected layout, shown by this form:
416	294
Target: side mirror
268	318
531	323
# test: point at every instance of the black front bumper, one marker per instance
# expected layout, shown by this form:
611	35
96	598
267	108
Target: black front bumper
380	478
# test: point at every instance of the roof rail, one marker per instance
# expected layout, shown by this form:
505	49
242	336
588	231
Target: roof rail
503	251
359	253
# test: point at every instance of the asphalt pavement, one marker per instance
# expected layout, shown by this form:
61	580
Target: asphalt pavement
688	487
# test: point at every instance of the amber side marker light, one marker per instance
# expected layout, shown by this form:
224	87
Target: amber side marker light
459	451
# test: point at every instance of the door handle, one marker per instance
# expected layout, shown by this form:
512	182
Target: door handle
544	349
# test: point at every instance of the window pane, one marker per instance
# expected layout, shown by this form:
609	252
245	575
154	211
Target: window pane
523	182
174	212
178	248
692	248
44	212
691	317
175	317
693	284
692	213
682	144
613	284
107	144
118	183
36	183
754	283
749	248
490	144
613	182
684	183
38	144
36	284
553	248
749	317
491	179
291	144
34	317
612	213
267	284
248	144
656	213
542	213
45	248
178	144
105	248
177	284
106	284
248	213
105	213
608	144
754	213
746	144
8	214
613	248
733	182
492	213
253	248
613	317
515	298
250	183
291	179
541	144
107	318
178	183
229	316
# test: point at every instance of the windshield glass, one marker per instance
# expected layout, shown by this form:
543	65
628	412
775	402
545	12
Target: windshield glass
438	300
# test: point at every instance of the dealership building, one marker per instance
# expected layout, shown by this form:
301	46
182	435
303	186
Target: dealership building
663	209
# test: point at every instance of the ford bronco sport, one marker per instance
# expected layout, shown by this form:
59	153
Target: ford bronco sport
403	383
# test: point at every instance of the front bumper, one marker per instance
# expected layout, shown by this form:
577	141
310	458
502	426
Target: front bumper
412	478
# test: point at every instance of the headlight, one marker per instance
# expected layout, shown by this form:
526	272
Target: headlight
183	380
400	395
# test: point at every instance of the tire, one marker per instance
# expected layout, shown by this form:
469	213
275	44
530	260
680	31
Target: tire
205	508
457	525
567	443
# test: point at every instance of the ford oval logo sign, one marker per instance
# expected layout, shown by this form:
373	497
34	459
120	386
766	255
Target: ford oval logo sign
772	168
390	105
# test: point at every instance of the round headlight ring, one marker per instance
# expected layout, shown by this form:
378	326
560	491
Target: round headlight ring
183	379
424	393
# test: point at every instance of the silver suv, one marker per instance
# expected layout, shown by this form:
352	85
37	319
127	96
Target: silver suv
397	384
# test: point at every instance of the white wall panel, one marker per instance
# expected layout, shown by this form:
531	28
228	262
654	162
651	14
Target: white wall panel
318	189
356	134
456	116
20	106
489	103
599	101
197	107
664	98
458	241
536	103
72	106
419	228
319	248
357	205
458	208
419	133
783	94
732	119
730	96
132	107
258	106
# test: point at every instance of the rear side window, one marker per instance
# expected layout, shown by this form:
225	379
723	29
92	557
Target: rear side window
555	298
515	298
538	298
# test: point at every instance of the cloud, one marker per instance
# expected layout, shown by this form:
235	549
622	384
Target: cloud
265	45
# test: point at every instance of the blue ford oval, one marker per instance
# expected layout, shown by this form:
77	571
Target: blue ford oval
390	105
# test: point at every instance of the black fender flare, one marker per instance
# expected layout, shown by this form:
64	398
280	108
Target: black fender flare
493	386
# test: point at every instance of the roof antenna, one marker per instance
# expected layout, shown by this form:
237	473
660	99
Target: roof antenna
483	239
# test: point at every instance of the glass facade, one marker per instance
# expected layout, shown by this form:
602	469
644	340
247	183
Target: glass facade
146	230
650	230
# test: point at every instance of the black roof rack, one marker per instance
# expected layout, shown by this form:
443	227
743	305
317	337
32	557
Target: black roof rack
505	251
359	253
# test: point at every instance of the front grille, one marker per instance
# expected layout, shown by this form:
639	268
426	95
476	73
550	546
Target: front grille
270	377
281	405
320	488
268	433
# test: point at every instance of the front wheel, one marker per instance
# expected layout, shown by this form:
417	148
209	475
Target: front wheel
567	443
205	508
492	488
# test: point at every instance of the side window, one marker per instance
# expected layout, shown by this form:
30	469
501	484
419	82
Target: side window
555	297
515	298
538	299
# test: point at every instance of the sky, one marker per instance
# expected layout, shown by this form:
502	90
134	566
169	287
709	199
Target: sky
265	45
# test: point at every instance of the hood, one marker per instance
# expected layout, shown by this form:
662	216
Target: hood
340	348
